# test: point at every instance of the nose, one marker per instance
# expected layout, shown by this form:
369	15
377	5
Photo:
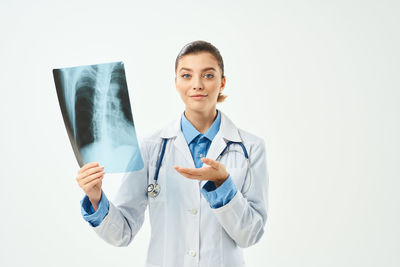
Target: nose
197	83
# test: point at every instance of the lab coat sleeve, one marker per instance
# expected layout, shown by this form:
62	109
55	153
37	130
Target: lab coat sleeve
245	216
217	197
92	217
126	210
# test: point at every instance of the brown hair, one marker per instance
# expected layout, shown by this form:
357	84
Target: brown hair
196	47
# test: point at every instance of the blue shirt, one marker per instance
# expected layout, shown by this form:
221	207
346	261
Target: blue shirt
94	218
198	144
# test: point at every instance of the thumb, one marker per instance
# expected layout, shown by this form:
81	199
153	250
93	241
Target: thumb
210	162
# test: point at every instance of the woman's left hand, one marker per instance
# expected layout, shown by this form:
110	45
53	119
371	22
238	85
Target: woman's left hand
215	171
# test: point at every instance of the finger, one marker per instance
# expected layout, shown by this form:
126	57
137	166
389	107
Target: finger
89	172
194	177
191	171
92	183
186	174
88	166
92	177
210	162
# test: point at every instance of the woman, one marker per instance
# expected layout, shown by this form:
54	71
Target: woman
208	207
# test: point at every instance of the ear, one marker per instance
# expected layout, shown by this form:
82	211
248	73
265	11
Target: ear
223	82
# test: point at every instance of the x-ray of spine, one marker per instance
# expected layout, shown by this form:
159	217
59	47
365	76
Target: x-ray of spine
95	105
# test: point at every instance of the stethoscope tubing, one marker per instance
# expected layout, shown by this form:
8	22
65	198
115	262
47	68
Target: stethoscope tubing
154	189
160	158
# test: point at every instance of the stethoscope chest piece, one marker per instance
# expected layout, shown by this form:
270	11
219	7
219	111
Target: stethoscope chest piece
153	190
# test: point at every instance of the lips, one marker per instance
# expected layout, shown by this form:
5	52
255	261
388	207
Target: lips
198	97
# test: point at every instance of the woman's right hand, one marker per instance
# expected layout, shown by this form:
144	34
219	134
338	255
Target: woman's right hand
90	178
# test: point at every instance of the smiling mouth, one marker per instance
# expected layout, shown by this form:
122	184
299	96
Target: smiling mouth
198	97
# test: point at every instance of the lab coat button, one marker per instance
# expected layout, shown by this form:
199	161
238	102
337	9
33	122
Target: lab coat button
192	253
201	155
193	211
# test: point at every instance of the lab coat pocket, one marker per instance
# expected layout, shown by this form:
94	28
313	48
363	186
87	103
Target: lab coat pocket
161	182
239	176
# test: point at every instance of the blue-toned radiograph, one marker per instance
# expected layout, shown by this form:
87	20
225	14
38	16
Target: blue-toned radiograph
95	105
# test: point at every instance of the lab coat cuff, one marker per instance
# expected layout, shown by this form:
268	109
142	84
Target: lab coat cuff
94	218
218	197
235	204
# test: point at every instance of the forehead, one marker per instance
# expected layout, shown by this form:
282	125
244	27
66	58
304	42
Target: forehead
198	61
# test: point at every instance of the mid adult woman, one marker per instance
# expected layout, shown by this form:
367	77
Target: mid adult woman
205	181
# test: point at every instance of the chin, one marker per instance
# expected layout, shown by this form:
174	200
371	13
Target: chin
199	107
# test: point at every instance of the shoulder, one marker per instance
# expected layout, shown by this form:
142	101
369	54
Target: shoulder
150	144
254	143
232	132
148	139
255	146
250	139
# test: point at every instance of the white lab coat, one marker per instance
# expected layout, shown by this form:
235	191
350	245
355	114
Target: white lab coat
185	231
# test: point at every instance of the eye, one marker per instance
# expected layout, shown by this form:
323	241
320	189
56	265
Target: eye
209	75
185	76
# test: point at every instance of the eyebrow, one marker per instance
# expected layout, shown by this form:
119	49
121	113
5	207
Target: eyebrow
205	69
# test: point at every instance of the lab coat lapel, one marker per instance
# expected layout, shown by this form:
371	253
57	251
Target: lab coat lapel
173	130
183	148
217	146
227	132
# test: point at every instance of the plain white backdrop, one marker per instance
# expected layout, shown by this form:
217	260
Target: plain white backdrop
318	80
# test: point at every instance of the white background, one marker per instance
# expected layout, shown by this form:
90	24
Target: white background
318	80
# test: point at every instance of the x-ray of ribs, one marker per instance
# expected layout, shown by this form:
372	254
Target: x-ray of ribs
102	107
95	103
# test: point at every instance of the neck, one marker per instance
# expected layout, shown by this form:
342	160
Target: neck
201	120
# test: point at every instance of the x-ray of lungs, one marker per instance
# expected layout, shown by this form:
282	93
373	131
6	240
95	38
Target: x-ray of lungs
95	105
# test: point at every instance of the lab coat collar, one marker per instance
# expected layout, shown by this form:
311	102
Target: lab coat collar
227	130
190	133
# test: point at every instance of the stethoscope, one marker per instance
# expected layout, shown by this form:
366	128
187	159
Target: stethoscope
153	189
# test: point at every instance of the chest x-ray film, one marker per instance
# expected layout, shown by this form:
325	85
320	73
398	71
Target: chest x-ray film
95	105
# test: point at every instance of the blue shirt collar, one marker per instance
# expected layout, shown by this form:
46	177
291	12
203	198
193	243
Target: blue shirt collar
190	133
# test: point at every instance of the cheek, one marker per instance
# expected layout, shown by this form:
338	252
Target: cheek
181	90
214	87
